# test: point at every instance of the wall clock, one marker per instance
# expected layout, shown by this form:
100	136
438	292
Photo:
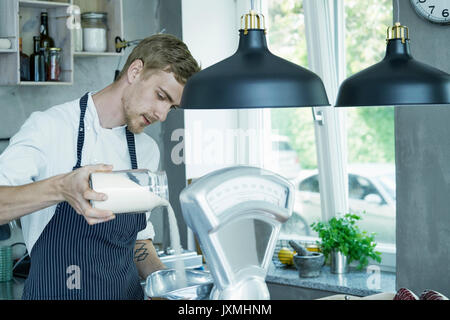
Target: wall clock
436	11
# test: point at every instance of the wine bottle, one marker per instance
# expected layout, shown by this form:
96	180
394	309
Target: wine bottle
37	65
24	64
46	41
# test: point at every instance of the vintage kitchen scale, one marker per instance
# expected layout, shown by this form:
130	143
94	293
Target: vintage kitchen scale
236	214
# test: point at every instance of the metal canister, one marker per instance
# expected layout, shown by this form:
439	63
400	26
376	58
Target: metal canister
338	262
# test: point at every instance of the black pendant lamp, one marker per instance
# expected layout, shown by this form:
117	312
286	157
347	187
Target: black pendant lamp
253	78
397	80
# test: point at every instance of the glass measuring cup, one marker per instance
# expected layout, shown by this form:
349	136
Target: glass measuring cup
130	191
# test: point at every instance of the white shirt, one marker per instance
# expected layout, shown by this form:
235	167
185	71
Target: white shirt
46	146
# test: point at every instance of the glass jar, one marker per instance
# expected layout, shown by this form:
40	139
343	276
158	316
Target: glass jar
53	64
130	191
312	247
94	31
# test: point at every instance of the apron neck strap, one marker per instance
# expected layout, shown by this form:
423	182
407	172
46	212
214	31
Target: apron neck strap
131	148
80	142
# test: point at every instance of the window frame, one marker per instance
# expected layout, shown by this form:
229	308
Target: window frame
330	122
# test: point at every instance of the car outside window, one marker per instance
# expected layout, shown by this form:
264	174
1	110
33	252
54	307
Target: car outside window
360	187
310	184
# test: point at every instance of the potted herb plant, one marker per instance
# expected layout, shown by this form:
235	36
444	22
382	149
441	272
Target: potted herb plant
344	242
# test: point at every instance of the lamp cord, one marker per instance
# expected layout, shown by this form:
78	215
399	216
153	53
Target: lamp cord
253	5
398	11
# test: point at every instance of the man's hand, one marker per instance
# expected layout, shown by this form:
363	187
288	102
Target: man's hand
77	192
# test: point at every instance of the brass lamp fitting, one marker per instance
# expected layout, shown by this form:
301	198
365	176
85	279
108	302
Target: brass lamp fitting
397	32
253	20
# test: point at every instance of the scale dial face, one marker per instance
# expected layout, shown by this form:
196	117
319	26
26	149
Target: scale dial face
436	11
239	190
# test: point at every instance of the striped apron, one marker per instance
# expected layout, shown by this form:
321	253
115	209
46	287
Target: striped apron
73	260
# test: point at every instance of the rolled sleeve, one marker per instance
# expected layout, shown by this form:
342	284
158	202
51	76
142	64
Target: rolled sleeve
23	161
148	232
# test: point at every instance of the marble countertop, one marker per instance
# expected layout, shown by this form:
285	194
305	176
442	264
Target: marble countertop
359	283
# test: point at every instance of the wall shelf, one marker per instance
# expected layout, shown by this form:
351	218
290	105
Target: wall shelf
21	19
44	83
8	51
43	4
97	54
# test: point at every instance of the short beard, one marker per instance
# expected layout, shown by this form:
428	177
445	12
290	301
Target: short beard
131	124
136	129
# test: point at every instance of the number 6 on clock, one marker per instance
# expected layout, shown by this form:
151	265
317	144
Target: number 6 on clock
435	11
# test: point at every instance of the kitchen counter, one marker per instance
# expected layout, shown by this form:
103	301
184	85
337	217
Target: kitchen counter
355	282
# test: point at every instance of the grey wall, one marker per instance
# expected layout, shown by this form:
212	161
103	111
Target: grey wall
423	171
142	18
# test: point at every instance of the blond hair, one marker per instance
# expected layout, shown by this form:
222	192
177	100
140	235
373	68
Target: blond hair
163	52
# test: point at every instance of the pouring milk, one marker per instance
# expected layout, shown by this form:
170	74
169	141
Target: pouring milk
127	196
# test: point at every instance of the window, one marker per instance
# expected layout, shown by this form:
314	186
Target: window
368	197
295	143
293	137
370	130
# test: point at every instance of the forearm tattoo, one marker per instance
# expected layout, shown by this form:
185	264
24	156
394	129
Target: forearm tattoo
141	252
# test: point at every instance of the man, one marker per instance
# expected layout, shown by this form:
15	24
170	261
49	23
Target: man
79	252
